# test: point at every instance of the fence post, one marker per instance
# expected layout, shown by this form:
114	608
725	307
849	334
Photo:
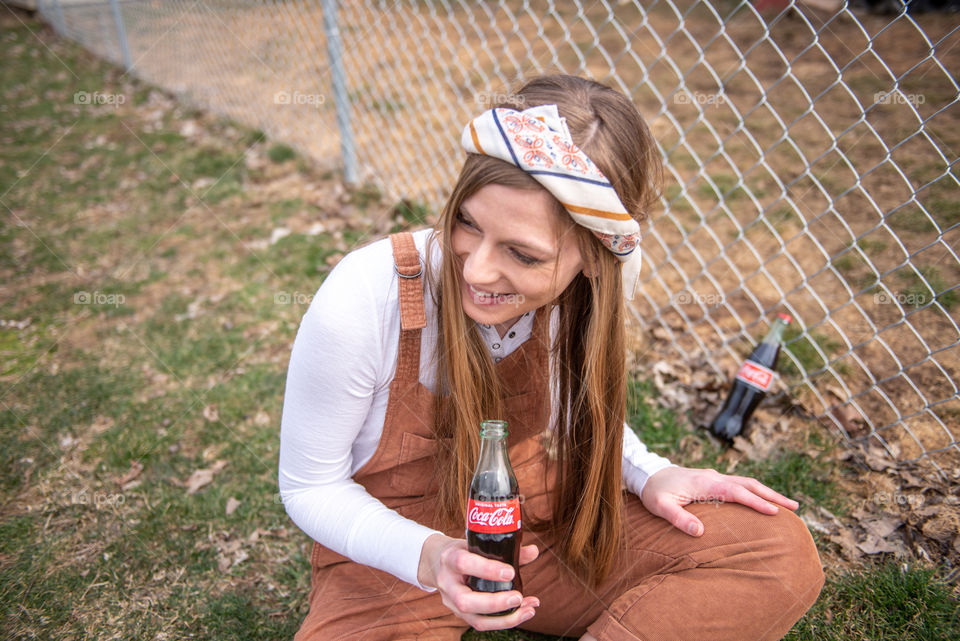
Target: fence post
60	22
121	35
340	98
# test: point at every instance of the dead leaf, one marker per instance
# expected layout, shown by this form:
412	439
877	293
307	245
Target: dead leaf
758	447
240	556
848	544
875	545
232	505
101	424
211	413
125	481
223	564
883	527
262	418
821	520
202	478
942	526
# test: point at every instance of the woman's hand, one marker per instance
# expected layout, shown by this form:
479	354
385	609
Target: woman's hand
667	491
445	564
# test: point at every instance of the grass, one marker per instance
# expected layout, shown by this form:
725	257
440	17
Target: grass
927	286
806	347
189	370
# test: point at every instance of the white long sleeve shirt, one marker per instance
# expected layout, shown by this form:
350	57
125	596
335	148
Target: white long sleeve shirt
343	360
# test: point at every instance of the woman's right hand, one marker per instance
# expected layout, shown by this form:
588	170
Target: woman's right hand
445	564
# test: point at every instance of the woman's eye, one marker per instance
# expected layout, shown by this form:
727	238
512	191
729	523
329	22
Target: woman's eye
523	258
463	220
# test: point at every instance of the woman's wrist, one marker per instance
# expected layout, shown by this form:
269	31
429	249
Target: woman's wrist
429	558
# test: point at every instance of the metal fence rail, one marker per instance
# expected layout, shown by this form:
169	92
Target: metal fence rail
811	151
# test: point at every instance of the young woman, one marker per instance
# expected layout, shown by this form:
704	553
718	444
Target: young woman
513	308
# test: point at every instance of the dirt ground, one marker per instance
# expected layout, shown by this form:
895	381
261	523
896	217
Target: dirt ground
795	180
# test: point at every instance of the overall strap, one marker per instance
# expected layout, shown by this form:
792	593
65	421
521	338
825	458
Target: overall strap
413	317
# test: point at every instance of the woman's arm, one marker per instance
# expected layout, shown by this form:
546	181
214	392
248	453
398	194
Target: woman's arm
336	371
639	464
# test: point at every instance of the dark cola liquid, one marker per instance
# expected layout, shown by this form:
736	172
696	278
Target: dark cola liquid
744	398
503	547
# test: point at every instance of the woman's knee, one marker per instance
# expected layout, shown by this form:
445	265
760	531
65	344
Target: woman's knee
779	546
802	569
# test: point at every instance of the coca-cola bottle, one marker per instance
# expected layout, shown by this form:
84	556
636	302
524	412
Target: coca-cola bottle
752	382
493	510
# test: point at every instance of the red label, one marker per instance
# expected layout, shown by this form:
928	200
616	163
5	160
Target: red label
493	516
755	374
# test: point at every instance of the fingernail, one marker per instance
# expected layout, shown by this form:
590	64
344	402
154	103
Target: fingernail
526	617
514	601
506	575
694	529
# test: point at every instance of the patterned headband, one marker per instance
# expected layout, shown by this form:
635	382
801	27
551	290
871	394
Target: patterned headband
537	141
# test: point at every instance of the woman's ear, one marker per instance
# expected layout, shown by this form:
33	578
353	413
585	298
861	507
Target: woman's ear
590	268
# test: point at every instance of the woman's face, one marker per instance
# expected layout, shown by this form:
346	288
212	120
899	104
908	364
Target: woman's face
505	243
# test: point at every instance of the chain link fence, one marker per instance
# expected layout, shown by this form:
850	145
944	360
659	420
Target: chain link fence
810	148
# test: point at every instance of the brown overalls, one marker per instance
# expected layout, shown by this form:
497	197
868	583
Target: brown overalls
750	576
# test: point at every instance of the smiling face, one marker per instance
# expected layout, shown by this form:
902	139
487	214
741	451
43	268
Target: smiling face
505	240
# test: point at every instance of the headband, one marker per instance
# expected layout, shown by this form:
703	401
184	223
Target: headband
537	141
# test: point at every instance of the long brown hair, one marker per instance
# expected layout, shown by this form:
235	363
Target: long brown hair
588	353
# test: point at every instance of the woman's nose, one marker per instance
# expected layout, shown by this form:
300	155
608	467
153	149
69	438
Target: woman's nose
479	266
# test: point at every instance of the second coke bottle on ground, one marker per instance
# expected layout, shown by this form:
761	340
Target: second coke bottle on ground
493	510
751	383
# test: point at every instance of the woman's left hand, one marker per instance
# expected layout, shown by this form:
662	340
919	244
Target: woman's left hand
667	491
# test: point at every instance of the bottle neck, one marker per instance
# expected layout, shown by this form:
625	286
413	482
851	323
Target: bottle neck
493	446
775	335
493	442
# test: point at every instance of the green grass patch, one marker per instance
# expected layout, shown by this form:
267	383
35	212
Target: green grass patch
886	601
806	347
414	214
366	195
911	218
726	189
60	405
280	153
926	286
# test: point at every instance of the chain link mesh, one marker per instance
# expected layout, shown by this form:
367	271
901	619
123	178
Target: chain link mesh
810	150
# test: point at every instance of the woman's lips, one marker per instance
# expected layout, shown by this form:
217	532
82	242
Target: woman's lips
481	297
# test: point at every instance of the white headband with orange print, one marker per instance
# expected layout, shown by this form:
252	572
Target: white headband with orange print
537	141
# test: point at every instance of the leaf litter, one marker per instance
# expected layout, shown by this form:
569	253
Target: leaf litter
907	510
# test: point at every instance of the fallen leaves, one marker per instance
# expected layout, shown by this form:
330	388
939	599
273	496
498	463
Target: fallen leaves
232	505
203	477
129	479
211	413
232	550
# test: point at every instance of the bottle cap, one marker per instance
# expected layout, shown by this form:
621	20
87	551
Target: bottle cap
786	318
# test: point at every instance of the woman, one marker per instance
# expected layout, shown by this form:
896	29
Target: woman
513	308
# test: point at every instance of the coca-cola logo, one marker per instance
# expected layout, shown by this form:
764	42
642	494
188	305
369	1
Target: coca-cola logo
493	516
756	375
